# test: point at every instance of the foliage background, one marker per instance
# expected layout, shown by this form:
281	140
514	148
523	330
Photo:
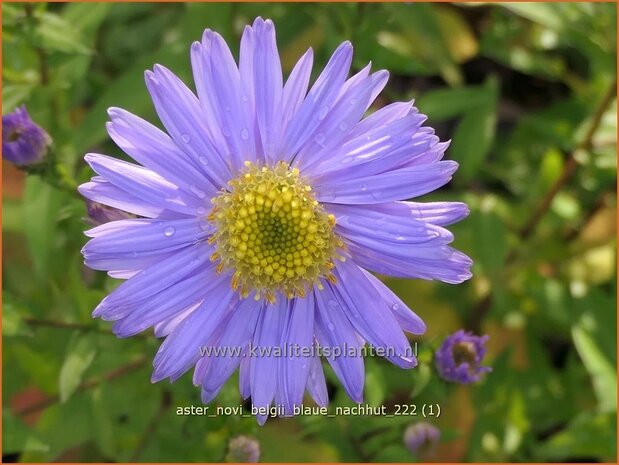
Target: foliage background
527	94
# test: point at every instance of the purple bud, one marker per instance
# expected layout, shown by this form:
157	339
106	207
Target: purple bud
100	214
243	449
23	142
459	357
421	438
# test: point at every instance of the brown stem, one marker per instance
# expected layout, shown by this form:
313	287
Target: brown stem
70	326
570	164
64	325
112	375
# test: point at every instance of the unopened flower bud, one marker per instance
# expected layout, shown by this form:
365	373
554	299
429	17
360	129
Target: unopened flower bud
24	143
243	449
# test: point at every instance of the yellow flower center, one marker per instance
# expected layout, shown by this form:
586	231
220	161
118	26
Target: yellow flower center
273	233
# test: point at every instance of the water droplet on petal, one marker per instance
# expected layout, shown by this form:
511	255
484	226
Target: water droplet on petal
186	138
332	303
197	191
364	187
343	126
353	101
201	211
394	307
328	194
203	160
244	98
245	134
320	138
331	327
169	231
324	111
378	194
226	131
204	225
227	108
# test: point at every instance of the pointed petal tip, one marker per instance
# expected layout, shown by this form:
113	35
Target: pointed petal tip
156	377
113	112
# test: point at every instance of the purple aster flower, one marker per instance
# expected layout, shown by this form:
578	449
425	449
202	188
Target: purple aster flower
421	438
459	357
243	449
264	208
23	142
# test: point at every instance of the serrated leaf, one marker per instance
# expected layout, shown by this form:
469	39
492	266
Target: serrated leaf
80	355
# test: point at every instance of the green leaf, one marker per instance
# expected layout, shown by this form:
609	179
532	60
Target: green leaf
543	13
374	383
57	34
603	374
588	435
474	135
425	31
103	422
443	104
127	91
62	426
14	95
489	241
421	377
80	355
86	17
17	437
12	322
40	206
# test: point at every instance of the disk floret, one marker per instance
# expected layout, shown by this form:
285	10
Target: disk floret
272	233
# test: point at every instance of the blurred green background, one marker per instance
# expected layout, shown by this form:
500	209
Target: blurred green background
527	94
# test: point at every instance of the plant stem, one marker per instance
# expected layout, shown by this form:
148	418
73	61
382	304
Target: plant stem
66	325
112	375
570	166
